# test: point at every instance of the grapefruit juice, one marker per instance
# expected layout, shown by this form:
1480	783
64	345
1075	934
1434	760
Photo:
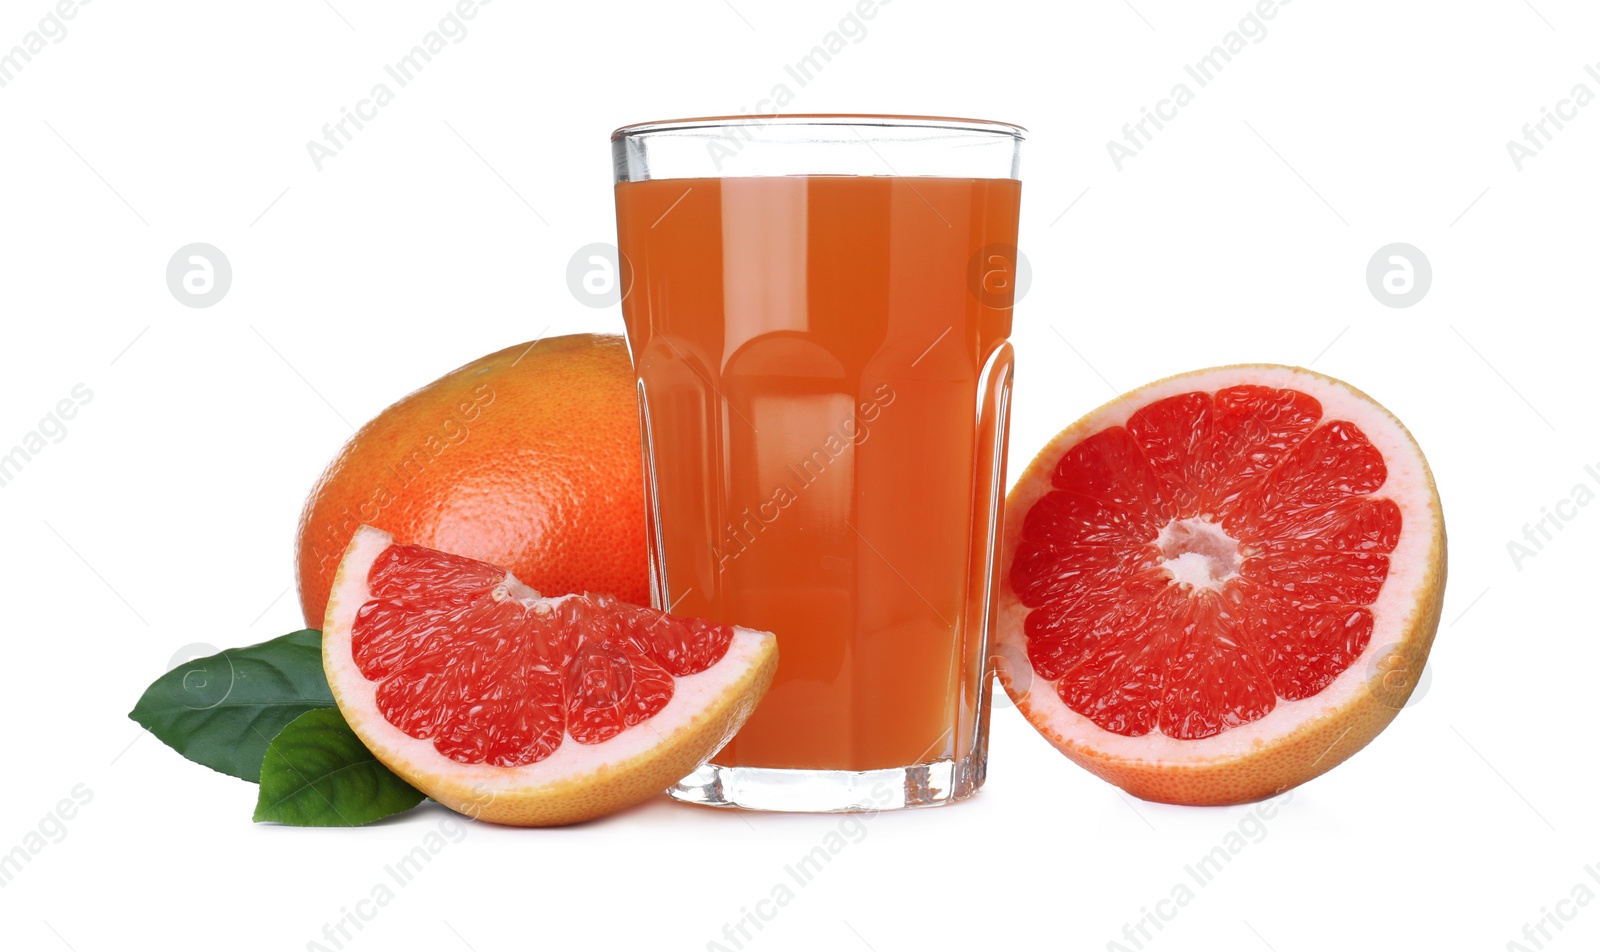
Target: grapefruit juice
823	373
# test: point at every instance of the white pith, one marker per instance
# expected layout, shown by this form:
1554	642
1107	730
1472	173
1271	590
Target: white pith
1407	484
357	696
1198	553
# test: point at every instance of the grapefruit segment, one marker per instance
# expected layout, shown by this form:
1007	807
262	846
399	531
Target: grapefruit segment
520	709
1201	572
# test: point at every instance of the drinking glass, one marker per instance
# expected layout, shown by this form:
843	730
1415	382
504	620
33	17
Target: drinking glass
818	310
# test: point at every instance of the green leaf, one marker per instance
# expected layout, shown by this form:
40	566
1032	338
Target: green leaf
222	711
317	772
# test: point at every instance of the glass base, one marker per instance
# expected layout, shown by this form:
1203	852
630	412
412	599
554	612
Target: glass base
830	791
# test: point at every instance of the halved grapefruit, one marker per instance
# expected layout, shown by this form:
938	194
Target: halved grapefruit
524	710
1221	584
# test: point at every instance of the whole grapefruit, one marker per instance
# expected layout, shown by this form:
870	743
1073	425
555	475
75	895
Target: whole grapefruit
527	458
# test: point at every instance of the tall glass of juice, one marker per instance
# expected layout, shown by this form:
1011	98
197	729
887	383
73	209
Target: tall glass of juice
818	308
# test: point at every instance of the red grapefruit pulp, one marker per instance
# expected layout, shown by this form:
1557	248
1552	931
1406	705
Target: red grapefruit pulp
522	709
1205	574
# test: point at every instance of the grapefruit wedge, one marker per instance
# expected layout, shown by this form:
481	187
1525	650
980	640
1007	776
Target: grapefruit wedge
518	709
1222	584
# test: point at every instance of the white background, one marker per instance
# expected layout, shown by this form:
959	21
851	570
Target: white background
166	514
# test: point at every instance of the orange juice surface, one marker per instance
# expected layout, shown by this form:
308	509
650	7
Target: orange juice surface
823	374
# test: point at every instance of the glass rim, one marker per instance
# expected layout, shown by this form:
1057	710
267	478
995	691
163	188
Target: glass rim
824	120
